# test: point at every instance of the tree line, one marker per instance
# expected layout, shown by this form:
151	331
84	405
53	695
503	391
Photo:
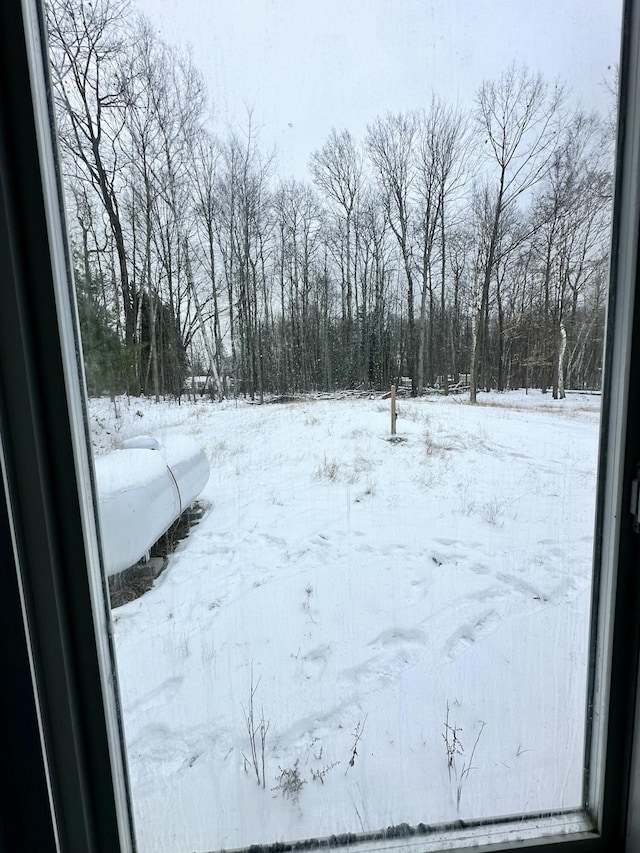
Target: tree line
449	246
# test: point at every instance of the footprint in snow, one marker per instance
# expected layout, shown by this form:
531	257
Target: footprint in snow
160	695
470	632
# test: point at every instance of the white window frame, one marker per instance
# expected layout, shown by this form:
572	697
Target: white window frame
62	755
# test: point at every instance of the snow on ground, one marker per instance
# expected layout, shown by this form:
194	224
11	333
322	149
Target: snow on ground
362	586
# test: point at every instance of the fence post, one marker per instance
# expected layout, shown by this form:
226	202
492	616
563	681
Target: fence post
394	414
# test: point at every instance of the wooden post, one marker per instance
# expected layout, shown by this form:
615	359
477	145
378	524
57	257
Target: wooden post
394	414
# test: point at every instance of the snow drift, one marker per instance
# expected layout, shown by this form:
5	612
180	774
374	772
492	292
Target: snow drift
142	489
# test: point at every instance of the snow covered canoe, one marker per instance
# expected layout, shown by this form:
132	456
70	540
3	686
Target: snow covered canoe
142	489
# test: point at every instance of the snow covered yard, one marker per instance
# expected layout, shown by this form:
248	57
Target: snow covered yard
360	588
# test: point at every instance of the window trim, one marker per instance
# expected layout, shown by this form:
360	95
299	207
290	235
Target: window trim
615	625
66	652
44	438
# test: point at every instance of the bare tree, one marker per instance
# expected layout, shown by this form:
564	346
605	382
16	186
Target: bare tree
204	166
86	47
572	213
164	103
390	144
442	154
243	233
516	119
298	219
336	170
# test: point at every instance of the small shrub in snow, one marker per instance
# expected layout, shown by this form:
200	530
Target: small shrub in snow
290	782
452	742
492	510
441	445
318	775
356	734
454	748
467	767
306	606
467	505
329	470
413	415
430	446
256	730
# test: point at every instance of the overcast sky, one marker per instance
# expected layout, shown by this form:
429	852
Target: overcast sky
305	66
